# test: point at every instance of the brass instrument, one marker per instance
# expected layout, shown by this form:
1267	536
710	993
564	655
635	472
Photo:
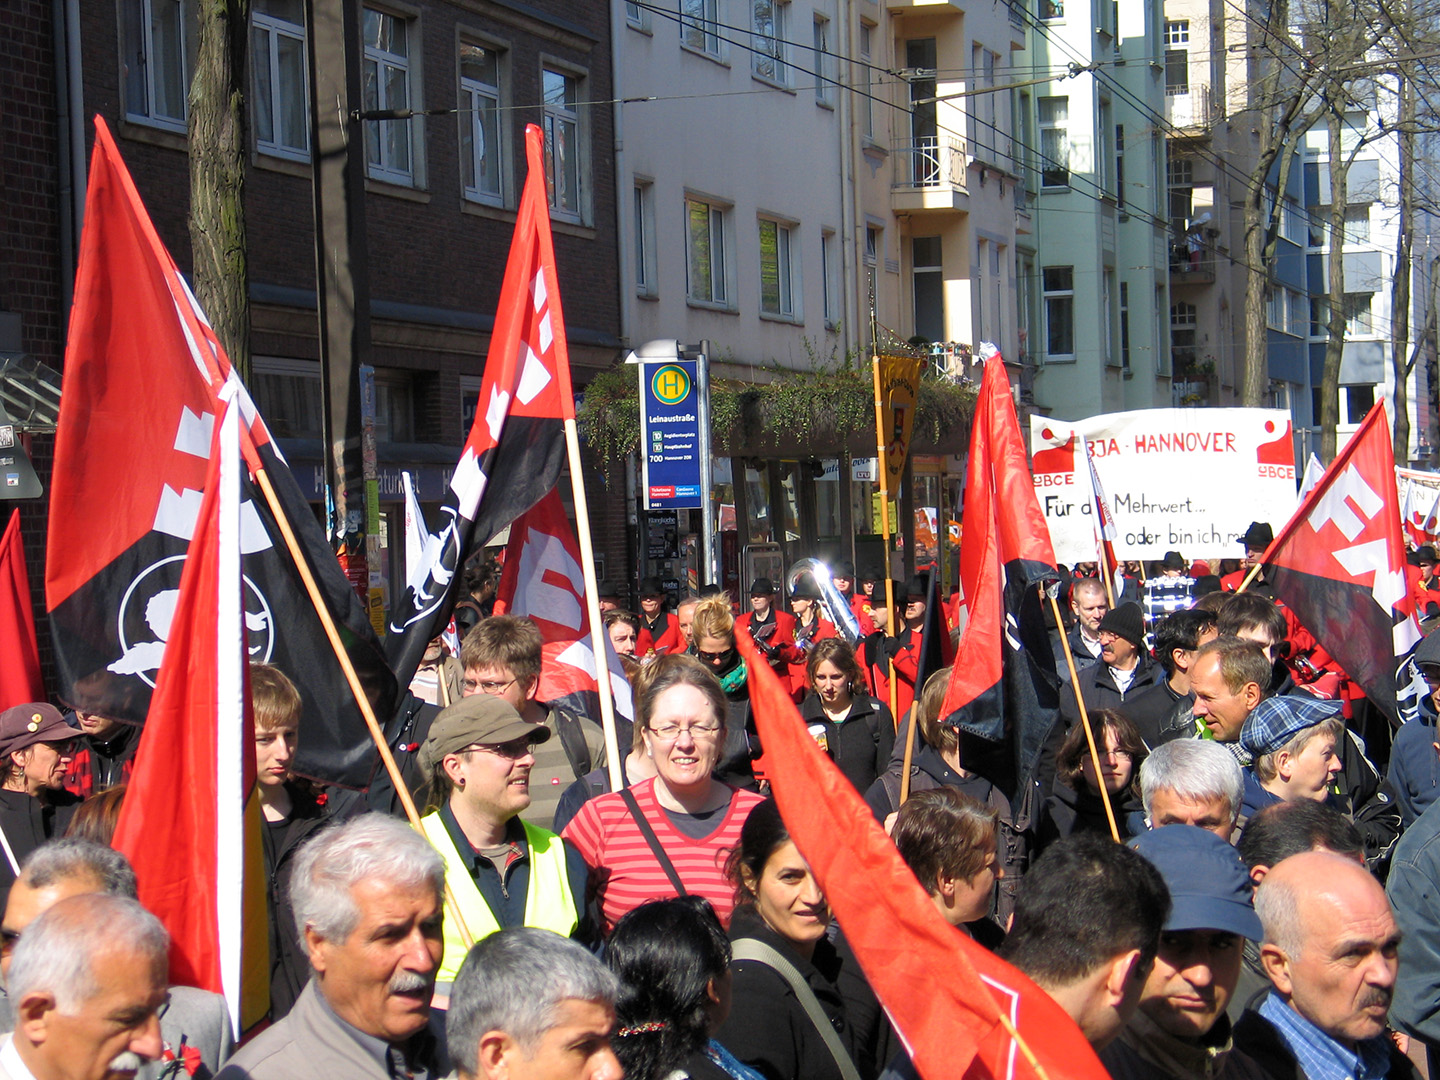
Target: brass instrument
835	604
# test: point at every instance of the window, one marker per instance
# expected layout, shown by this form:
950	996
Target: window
1107	315
1299	315
1059	291
1125	325
562	140
777	294
646	282
929	285
1120	166
1357	224
824	64
707	263
1104	151
768	40
873	241
636	16
1052	9
1054	141
386	73
698	30
278	72
1292	222
481	152
1275	308
1024	307
1358	321
1359	400
1177	32
154	67
829	283
1177	58
866	101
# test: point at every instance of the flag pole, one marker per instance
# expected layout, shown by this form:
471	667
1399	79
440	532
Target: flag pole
328	622
1085	722
1251	576
592	604
883	471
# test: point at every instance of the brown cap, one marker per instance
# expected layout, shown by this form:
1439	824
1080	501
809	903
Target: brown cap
23	726
477	720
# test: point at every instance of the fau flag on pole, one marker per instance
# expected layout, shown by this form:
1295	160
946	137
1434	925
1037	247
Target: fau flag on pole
182	825
944	993
144	374
517	442
1339	564
19	651
1004	692
542	581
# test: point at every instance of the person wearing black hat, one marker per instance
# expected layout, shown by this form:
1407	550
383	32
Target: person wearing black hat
773	631
658	632
1424	585
36	746
1256	539
843	575
1124	666
810	630
905	647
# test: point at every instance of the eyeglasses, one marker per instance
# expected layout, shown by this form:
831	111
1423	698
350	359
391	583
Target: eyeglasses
671	732
712	657
513	750
491	688
1118	755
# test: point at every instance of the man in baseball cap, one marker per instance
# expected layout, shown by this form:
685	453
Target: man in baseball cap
36	747
1180	1029
502	872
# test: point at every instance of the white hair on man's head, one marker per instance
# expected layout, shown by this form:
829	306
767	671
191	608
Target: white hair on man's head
1195	770
369	847
57	951
515	982
70	858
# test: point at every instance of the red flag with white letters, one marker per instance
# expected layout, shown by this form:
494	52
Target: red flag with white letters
1339	563
542	581
20	680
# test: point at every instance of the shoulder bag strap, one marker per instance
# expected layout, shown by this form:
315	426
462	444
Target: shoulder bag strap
654	841
761	953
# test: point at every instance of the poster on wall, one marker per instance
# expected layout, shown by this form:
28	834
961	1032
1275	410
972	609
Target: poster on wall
1187	480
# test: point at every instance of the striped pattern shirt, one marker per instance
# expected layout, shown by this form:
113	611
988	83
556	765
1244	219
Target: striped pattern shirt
624	871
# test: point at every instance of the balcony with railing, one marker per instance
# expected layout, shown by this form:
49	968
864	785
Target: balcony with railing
929	175
1189	108
1192	261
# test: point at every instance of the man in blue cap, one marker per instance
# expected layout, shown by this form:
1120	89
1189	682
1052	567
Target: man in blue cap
1180	1030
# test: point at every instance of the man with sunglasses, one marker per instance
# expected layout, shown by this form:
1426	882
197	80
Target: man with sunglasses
501	871
36	748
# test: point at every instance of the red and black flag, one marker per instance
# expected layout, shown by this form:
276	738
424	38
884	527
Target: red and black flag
1003	696
517	442
1339	564
543	582
144	380
960	1011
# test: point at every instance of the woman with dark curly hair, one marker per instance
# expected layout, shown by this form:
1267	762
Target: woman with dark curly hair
1075	805
673	962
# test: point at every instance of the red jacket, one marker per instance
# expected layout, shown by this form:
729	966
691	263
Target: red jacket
800	660
783	639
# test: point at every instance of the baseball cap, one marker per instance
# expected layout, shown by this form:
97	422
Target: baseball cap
1210	888
480	719
23	726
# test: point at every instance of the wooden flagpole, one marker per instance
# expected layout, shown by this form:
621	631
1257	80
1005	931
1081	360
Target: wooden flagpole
883	472
1085	722
351	677
1252	575
592	606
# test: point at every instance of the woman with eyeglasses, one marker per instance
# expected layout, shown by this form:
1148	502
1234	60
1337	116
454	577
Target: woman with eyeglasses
667	836
1075	804
36	748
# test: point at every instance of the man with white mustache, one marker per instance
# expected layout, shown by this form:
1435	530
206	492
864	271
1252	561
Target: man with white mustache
87	981
368	901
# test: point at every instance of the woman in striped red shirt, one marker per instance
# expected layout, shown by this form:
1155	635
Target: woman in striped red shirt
670	835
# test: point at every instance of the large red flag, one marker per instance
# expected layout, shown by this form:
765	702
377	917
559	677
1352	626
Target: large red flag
182	822
144	379
542	580
517	442
20	680
1004	691
944	993
1339	564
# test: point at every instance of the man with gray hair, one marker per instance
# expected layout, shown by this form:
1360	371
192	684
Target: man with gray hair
1192	782
529	1004
87	979
1330	951
367	896
194	1024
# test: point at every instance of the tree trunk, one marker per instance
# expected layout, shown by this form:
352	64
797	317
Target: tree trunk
1400	283
1256	371
217	175
1335	284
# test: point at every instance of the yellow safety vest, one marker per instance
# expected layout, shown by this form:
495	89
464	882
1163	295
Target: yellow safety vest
548	903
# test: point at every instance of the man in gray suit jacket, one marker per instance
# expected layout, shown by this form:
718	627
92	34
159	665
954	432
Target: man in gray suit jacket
87	981
194	1024
368	900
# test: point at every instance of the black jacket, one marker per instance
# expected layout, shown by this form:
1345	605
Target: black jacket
1067	812
28	822
768	1028
1160	714
1099	690
1256	1037
289	963
861	743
